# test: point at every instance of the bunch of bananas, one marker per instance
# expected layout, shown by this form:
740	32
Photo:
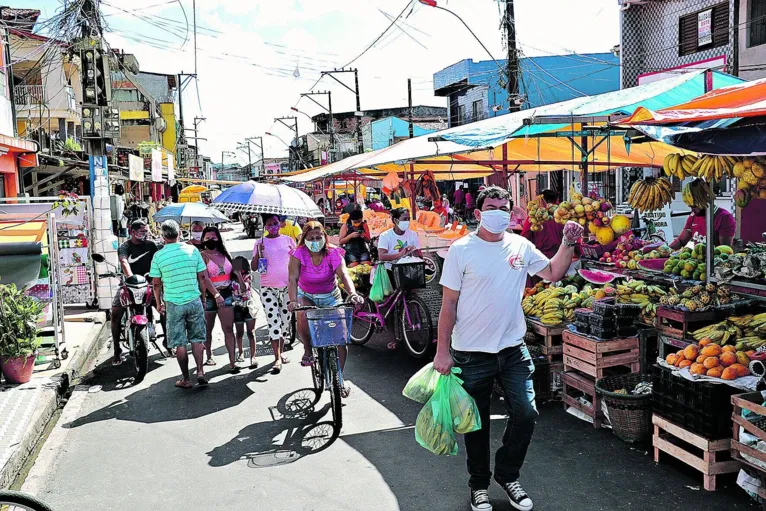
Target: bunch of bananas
697	194
650	194
556	305
719	332
640	293
679	165
714	167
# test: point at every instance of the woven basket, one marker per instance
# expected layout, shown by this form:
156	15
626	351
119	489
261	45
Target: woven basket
630	415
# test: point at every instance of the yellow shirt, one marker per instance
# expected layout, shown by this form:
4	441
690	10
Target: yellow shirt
291	230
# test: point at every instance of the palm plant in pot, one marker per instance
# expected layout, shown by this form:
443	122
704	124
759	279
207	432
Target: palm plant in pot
18	333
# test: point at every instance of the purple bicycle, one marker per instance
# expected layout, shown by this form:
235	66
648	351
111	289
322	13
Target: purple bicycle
411	321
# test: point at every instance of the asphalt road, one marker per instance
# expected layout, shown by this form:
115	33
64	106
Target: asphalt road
252	441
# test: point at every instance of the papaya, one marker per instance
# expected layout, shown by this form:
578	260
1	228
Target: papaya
715	372
729	373
729	348
685	363
671	359
742	370
711	349
728	358
691	352
743	358
711	362
697	368
705	341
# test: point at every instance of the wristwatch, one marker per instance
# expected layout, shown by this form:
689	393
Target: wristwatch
216	295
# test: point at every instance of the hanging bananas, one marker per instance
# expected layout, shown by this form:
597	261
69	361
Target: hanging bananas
707	166
650	194
679	165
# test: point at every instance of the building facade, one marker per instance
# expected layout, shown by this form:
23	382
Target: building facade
346	122
477	90
390	130
751	39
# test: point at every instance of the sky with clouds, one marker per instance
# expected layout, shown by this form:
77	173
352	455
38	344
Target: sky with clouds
249	52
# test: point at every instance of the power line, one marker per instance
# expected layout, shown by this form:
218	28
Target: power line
348	64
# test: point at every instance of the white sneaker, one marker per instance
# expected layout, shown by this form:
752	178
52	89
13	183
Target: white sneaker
480	500
517	496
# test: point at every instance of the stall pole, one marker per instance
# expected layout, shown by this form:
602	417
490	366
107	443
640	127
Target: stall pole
413	199
709	235
584	175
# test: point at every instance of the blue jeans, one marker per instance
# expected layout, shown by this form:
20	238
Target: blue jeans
322	299
513	368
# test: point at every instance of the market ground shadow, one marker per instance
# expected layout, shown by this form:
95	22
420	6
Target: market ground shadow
163	402
570	465
303	428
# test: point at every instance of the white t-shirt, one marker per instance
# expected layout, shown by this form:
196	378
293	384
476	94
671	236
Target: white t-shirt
393	243
491	278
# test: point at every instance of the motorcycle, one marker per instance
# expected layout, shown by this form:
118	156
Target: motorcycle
136	297
250	224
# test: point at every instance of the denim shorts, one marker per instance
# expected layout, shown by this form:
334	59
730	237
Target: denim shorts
212	306
322	299
185	322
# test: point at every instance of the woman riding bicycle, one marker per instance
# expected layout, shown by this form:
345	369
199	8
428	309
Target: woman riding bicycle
314	266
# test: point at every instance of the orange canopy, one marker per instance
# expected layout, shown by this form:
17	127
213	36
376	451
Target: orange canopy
747	99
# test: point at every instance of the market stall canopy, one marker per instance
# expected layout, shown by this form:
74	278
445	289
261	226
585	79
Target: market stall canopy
267	198
190	212
20	263
533	140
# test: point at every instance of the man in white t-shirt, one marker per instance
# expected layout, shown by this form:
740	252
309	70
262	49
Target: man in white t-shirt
481	331
400	241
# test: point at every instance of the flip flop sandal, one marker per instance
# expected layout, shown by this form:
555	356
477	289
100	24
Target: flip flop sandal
285	360
276	369
345	391
181	385
253	364
234	370
202	381
210	362
307	361
240	358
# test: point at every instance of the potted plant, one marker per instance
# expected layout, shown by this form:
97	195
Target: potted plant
18	333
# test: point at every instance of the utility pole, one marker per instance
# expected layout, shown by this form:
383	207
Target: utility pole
358	113
328	109
259	146
409	102
291	151
249	158
513	57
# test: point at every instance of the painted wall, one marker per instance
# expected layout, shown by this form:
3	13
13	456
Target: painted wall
649	39
751	58
169	136
384	132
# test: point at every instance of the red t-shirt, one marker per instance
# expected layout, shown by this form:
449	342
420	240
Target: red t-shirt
724	225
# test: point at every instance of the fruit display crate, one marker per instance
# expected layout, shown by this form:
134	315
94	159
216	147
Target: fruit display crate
679	324
711	457
592	357
668	345
549	338
751	402
699	407
575	383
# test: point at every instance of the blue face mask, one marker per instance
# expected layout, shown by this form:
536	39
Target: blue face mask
315	246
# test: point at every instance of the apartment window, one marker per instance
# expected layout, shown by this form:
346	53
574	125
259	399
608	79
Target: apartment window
461	114
476	109
704	29
757	21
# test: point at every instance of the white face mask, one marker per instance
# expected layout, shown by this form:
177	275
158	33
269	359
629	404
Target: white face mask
196	235
404	225
495	221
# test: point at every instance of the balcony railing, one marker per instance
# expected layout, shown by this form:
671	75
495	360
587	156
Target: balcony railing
29	95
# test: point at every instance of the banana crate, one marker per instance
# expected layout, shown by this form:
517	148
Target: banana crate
549	338
679	323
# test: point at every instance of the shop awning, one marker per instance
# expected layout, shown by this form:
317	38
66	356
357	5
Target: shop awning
539	139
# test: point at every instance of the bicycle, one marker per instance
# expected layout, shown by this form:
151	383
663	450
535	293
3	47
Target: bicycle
18	501
412	317
329	327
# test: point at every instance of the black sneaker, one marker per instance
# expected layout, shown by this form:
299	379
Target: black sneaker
480	500
518	497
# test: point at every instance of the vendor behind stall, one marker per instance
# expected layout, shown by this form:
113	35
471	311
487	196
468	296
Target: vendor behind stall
547	240
698	195
354	238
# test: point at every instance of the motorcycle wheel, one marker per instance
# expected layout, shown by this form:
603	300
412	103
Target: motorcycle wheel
141	353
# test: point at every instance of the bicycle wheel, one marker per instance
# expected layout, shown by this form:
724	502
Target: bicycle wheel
416	325
363	328
317	374
18	501
333	366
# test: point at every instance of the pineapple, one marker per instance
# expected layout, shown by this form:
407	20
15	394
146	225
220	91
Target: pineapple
696	289
664	300
691	305
674	300
710	288
687	294
724	300
705	299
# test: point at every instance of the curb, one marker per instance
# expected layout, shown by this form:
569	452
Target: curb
49	401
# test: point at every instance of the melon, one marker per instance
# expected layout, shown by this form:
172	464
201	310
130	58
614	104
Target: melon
597	276
605	235
657	264
620	224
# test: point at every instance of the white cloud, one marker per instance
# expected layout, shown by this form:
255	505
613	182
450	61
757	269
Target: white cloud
240	94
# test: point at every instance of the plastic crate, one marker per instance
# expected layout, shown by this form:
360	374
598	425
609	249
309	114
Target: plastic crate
582	328
583	316
699	407
602	321
603	333
410	275
626	331
627	309
330	327
604	307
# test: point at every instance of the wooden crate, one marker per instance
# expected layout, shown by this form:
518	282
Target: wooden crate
573	381
679	324
549	338
591	357
670	345
749	401
713	461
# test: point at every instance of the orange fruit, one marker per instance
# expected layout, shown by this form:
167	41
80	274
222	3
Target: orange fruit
711	349
728	358
671	359
697	368
685	363
710	362
679	358
729	373
715	372
702	358
705	341
729	348
691	352
741	370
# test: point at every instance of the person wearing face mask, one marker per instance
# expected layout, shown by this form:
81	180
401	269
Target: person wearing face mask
135	256
218	262
196	233
481	331
354	237
398	241
724	224
314	266
271	256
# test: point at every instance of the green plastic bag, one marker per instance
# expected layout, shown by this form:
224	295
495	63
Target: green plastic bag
381	285
421	386
450	410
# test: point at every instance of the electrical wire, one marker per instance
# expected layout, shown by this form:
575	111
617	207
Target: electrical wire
409	2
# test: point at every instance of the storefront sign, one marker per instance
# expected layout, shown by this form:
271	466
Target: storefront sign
136	167
171	170
662	222
705	27
156	165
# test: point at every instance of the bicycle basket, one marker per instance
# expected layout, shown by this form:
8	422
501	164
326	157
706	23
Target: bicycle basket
410	275
330	327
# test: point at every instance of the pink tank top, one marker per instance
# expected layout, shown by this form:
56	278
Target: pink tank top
221	277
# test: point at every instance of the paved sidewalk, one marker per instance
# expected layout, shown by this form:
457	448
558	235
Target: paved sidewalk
26	409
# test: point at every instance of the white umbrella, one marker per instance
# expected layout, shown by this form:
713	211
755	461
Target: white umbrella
255	197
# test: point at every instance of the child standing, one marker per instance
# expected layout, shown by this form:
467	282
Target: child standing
241	287
271	256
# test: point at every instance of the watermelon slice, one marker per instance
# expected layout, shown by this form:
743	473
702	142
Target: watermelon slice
656	265
598	276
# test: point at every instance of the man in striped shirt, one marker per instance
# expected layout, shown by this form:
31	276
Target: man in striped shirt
180	278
